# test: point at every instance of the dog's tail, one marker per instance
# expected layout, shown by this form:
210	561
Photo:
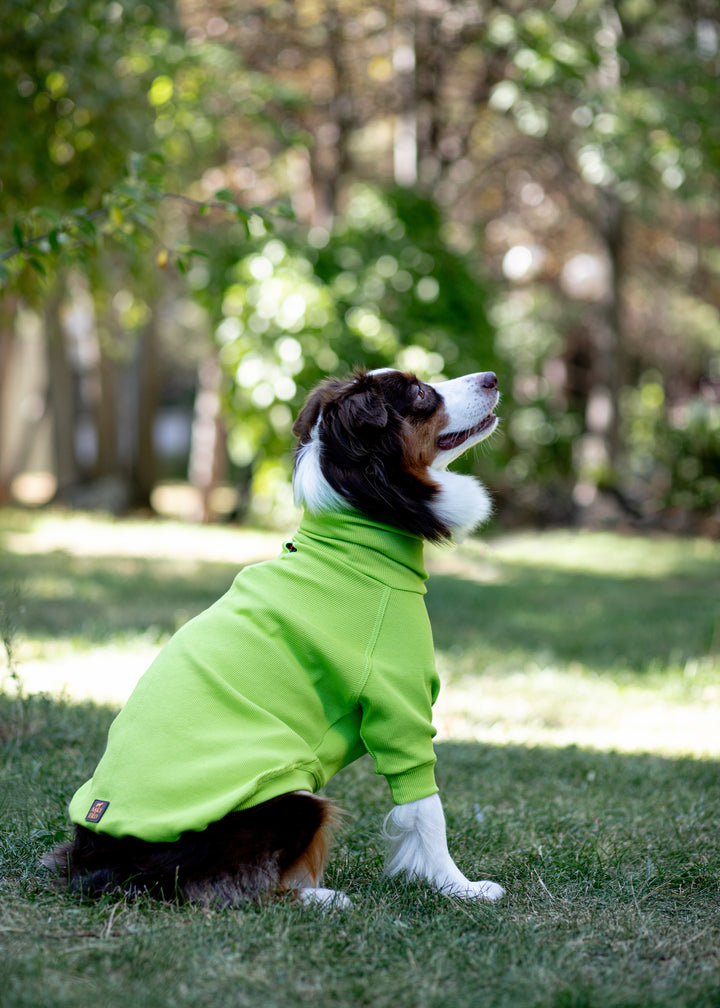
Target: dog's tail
279	845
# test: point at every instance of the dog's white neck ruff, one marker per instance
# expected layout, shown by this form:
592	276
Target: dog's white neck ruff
461	504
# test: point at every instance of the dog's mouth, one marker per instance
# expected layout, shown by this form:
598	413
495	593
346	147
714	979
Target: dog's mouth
446	442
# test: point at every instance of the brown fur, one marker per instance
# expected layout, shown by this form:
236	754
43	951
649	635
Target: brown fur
280	845
378	433
420	444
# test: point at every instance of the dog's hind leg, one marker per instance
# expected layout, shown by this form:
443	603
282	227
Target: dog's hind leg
304	876
325	899
278	846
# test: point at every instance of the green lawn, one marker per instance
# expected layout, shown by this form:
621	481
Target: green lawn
579	760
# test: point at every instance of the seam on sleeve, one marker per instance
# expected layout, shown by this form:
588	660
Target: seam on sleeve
370	649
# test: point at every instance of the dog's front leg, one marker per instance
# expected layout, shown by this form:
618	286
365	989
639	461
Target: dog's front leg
417	847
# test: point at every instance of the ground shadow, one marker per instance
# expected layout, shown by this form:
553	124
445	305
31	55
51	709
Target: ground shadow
611	864
95	598
603	621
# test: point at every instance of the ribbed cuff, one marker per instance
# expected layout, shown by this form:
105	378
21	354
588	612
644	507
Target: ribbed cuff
412	784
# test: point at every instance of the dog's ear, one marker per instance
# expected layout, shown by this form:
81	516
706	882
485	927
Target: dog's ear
355	417
363	410
354	425
308	415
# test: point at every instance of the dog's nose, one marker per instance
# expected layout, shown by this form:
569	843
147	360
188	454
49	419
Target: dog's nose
489	380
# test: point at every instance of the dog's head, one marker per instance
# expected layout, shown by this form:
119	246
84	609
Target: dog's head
379	442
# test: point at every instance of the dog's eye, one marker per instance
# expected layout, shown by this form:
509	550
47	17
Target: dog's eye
419	393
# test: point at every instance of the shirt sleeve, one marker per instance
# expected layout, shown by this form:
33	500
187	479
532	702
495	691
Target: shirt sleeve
396	700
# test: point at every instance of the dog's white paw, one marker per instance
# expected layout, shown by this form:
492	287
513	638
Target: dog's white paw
484	890
326	899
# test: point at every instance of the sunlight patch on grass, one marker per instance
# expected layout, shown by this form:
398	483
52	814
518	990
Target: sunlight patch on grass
558	638
559	706
85	535
572	638
104	675
606	553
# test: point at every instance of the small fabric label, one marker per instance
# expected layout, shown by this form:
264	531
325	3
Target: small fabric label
97	811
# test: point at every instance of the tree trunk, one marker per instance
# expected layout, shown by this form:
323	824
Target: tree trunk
599	450
145	468
612	361
7	351
61	399
105	410
405	138
208	455
329	154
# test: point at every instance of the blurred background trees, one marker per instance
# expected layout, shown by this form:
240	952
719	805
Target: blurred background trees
208	206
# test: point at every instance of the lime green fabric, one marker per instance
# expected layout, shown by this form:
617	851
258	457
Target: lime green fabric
308	662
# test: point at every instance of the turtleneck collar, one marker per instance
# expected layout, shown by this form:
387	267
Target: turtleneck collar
380	551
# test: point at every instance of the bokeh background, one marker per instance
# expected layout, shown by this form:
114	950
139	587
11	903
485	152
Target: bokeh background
207	206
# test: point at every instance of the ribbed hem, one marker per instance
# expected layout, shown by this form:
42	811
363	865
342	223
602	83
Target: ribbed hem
413	784
294	780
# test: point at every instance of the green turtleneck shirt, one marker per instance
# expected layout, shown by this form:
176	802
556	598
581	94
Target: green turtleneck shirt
308	662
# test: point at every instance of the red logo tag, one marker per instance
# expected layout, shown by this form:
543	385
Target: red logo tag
97	811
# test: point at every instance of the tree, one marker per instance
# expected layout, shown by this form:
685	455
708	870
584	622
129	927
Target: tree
603	102
562	157
380	288
99	81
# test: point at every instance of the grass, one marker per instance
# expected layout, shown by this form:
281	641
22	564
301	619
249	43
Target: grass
578	759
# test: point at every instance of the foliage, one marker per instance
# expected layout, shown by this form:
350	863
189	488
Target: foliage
624	91
45	239
674	450
561	178
83	74
611	103
379	288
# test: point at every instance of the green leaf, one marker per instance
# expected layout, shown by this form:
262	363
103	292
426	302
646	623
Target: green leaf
130	190
37	265
284	209
87	227
244	220
46	214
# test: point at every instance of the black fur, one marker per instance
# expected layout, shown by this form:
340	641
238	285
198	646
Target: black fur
240	857
364	435
377	439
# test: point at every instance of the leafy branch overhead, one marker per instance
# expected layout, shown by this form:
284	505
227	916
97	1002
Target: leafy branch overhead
527	187
45	239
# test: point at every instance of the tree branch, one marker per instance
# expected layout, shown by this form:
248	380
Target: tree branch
69	223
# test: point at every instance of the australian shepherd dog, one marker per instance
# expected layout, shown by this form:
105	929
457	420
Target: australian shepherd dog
207	790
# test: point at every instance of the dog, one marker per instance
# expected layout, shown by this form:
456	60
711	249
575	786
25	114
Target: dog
207	790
